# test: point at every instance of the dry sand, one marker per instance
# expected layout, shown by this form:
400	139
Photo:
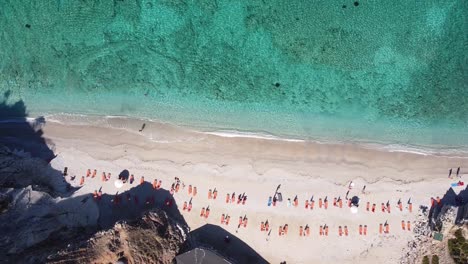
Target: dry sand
256	167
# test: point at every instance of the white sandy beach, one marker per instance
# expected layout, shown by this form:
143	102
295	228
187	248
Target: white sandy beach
256	166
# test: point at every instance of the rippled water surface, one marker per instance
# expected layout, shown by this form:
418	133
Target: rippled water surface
380	71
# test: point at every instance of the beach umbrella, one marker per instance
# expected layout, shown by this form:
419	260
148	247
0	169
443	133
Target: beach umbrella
355	201
118	184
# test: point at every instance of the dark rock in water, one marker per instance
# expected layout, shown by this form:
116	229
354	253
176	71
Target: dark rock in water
277	84
344	6
356	3
27	26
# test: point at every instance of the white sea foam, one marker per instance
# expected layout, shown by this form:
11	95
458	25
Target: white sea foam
81	119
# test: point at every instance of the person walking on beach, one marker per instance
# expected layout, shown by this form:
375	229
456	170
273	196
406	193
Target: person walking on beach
450	173
88	173
363	190
458	172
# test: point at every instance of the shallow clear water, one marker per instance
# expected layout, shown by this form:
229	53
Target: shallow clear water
383	71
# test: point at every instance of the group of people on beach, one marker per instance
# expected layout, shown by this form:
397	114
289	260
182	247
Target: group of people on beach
384	228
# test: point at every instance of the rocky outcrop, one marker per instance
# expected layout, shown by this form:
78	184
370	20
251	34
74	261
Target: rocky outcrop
422	244
18	171
154	238
40	216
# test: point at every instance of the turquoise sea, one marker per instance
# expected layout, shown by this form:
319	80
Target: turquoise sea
390	72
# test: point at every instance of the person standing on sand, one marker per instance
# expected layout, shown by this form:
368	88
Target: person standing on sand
450	173
458	172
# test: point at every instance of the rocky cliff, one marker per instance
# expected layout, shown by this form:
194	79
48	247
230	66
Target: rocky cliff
154	238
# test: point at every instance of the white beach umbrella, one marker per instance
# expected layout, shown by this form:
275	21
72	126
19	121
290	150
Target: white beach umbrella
118	184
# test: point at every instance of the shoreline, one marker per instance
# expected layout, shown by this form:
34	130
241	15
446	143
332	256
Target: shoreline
256	166
84	119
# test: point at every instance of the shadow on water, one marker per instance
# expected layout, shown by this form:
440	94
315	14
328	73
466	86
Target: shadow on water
17	133
25	138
